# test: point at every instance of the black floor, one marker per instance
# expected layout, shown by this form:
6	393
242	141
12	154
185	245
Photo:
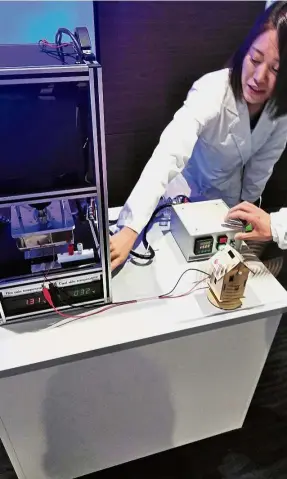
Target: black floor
257	451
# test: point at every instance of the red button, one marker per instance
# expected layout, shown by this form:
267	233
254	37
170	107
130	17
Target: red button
223	240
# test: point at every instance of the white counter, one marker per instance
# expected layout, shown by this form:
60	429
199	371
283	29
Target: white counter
136	379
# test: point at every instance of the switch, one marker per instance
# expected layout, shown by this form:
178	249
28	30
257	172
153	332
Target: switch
222	239
221	242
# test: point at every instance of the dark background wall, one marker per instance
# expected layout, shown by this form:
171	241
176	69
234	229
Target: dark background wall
151	53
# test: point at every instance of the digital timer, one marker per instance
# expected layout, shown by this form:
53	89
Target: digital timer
33	302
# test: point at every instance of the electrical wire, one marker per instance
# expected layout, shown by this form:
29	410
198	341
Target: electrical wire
150	251
179	279
48	298
57	49
52	264
68	319
43	43
168	295
53	50
58	41
60	291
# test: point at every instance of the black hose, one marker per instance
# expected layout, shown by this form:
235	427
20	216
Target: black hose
151	253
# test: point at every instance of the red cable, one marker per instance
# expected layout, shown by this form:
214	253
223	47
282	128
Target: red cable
49	300
53	45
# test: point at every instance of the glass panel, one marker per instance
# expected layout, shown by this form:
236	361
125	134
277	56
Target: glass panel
44	138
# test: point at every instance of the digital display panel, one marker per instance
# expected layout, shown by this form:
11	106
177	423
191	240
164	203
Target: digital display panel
203	245
34	302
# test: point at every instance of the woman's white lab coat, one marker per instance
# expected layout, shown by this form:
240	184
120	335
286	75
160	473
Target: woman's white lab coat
210	141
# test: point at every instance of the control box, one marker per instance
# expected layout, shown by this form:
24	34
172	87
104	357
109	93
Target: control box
199	229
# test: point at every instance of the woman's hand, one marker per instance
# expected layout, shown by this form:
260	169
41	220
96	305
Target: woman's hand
259	219
121	244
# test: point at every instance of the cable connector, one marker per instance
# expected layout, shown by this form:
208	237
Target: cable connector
47	296
83	38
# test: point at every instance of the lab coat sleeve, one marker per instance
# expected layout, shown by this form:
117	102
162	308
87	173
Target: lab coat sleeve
260	166
279	227
169	158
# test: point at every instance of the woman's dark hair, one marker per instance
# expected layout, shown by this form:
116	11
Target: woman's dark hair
273	18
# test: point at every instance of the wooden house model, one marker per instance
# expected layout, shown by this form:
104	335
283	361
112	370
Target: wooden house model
228	279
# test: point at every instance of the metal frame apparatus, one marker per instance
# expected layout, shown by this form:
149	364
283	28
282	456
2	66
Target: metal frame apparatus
92	74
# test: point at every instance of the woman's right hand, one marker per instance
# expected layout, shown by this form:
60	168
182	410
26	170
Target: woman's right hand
121	244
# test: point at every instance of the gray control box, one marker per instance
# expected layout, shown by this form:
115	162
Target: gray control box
199	230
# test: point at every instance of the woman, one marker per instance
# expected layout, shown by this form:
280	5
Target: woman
227	136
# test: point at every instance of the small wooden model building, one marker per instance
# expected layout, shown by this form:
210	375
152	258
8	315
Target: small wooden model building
228	279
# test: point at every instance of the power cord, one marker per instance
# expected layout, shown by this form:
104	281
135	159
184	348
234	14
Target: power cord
151	253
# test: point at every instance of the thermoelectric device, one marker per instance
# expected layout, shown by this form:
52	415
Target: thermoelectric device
199	230
53	192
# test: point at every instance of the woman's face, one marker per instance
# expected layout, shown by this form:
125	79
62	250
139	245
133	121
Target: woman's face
259	69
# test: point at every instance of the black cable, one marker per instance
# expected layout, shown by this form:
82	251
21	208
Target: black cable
145	242
58	41
177	200
181	276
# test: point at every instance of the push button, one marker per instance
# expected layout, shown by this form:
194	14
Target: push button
221	242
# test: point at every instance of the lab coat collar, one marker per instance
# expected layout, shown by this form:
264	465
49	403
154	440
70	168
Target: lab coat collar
239	109
265	122
247	141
